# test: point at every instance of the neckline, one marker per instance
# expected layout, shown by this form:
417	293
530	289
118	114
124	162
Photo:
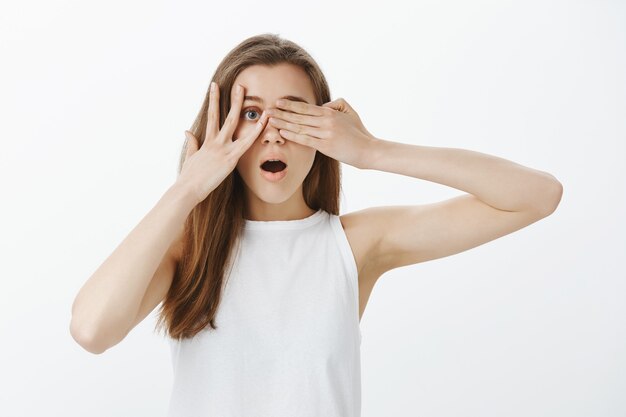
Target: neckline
284	224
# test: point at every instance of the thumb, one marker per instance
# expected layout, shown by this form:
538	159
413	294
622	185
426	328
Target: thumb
339	105
192	144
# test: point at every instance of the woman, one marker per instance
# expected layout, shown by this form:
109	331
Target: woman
249	237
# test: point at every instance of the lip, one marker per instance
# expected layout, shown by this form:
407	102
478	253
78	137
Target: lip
274	155
274	176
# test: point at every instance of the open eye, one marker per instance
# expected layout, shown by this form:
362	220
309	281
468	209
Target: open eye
248	110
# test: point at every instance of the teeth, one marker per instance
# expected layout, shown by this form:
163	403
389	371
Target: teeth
274	160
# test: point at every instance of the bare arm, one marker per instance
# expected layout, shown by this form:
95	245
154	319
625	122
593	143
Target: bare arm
106	307
137	275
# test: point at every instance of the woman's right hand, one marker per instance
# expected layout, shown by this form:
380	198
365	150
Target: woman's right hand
207	165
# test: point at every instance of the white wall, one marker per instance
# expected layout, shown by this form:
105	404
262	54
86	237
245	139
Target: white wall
95	99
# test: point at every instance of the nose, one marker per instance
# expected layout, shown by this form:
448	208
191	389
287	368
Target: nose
271	134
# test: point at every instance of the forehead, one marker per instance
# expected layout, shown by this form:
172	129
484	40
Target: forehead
266	84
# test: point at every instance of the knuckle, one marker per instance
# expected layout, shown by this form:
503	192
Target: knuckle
233	157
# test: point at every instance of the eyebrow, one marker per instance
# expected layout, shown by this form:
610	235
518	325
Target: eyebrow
260	100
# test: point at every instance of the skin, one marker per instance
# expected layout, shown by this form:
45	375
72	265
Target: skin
266	200
500	196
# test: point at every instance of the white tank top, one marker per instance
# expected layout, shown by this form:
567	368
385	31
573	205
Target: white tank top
287	342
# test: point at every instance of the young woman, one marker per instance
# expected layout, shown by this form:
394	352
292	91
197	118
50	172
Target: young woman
262	282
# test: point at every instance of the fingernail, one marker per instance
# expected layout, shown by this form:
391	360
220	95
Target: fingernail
212	86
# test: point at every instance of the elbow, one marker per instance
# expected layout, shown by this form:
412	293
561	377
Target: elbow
86	339
552	197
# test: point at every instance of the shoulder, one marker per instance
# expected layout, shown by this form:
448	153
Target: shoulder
363	224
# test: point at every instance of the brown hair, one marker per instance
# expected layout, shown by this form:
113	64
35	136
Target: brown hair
214	226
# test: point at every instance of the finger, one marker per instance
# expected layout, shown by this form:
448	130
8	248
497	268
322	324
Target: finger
246	142
191	145
300	138
299	107
296	127
213	115
233	115
301	119
339	105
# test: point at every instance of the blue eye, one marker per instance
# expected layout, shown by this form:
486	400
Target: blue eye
249	111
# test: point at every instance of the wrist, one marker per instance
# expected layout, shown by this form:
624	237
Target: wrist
372	153
183	194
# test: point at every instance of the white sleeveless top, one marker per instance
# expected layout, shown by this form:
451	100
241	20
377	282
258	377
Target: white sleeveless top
287	342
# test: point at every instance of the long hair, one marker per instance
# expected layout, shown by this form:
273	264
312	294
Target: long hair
214	226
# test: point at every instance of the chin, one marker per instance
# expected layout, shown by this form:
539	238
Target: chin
271	196
273	199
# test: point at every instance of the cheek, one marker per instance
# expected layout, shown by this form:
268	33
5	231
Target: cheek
311	156
305	161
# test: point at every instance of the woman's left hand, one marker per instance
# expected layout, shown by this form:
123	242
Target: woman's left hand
334	129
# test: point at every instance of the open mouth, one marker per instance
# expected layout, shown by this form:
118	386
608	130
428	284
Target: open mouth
273	165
